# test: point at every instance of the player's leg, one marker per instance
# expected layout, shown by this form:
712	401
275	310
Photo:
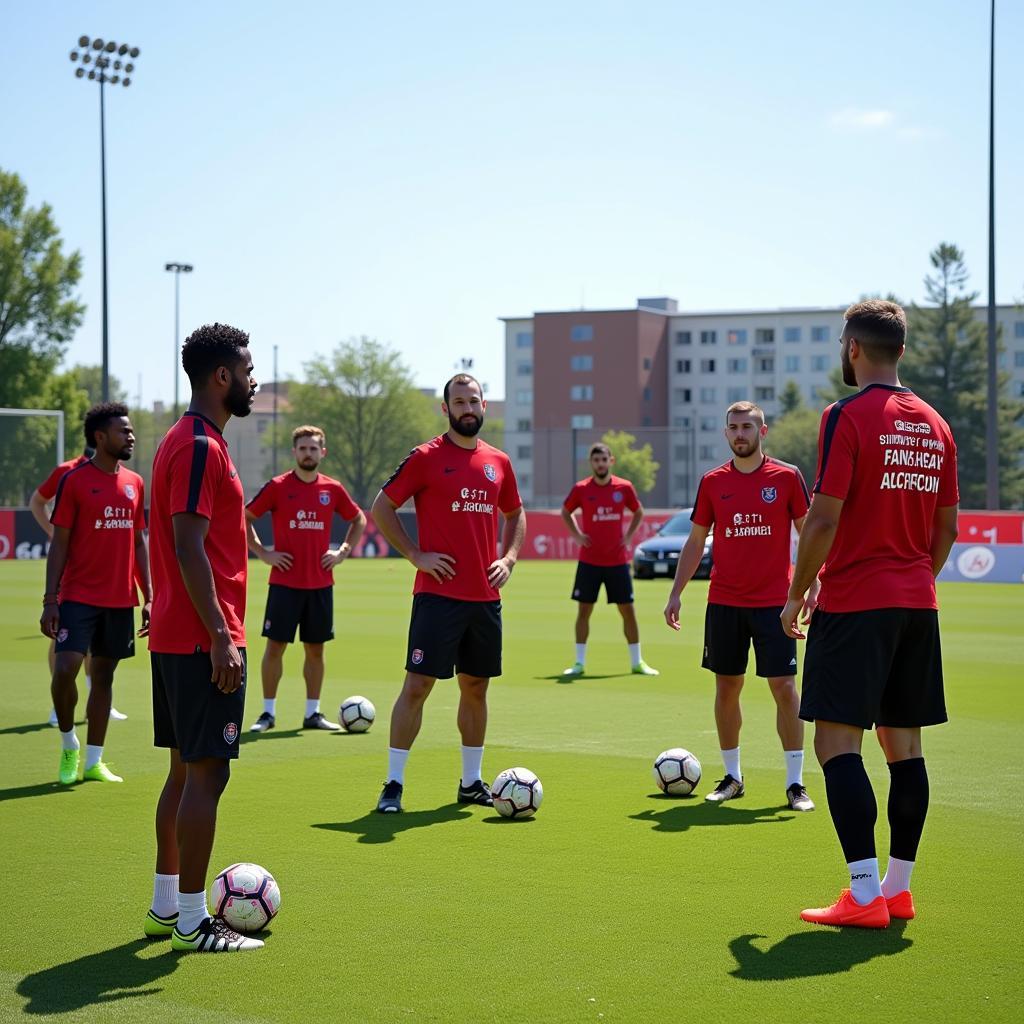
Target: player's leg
585	588
316	628
280	620
101	698
406	719
64	691
726	649
163	911
51	661
313	668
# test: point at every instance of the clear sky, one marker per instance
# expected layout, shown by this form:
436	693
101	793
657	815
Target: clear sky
413	171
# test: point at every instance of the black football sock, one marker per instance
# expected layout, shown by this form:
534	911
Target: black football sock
851	802
908	806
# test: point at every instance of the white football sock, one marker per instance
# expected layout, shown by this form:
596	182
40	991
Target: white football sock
731	760
88	682
312	707
581	654
191	911
69	741
165	895
897	877
396	764
472	759
794	767
270	705
634	654
864	885
93	756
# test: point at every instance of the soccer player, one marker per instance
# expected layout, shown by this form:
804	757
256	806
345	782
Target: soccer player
461	485
882	522
40	504
302	504
752	501
603	500
98	541
197	639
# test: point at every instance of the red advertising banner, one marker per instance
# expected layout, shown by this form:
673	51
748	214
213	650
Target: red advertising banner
548	537
991	528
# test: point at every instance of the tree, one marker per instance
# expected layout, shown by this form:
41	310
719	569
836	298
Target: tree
90	380
364	398
635	464
790	398
794	438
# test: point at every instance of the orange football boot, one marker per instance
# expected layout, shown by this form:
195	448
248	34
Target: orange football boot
847	911
901	906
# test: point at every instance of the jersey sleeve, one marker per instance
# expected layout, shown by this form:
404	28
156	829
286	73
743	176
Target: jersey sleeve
194	473
508	496
837	453
703	513
799	499
140	506
408	479
264	501
632	499
949	489
48	488
65	505
574	498
344	506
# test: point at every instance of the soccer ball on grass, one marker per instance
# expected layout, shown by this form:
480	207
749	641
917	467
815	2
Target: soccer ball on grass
246	896
356	714
517	793
676	772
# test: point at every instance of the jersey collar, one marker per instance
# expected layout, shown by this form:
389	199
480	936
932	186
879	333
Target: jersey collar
205	419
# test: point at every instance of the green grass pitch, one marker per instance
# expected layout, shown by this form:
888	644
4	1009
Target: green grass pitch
612	905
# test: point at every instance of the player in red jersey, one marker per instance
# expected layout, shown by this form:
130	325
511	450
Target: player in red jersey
461	486
302	503
753	501
41	505
882	522
98	540
603	501
197	639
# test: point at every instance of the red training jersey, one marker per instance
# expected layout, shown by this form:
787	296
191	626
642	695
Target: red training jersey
752	514
301	515
458	493
192	472
603	512
891	458
48	488
102	510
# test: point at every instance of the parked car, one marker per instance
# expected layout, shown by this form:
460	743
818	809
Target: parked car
658	555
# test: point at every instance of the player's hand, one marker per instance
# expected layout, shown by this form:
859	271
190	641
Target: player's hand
281	560
433	563
147	611
672	611
789	616
227	665
50	619
584	540
498	572
810	602
330	559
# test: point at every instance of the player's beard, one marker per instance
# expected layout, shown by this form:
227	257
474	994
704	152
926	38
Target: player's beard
239	398
849	377
745	449
125	453
308	464
463	425
602	474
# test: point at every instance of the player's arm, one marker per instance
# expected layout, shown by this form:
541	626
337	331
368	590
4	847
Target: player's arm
634	525
56	560
37	505
689	559
355	531
944	533
569	518
278	559
385	515
143	579
513	533
190	530
816	536
811	601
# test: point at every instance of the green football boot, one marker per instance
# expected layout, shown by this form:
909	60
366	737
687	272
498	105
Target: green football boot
575	672
643	669
99	772
156	927
68	773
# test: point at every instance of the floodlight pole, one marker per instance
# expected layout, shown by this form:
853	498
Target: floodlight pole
178	269
103	206
992	417
275	441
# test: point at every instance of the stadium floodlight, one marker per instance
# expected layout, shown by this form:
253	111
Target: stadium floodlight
100	73
177	269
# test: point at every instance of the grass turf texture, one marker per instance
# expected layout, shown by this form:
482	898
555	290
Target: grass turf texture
614	904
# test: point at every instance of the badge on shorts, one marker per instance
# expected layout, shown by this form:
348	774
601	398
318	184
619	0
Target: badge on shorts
417	657
325	497
230	733
266	624
769	494
62	635
490	472
129	492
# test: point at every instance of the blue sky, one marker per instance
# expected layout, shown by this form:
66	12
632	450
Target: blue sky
413	171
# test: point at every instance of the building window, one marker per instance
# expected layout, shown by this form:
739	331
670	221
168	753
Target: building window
647	362
708	423
1018	358
646	422
524	426
1020	389
262	423
682	482
791	334
524	481
682	422
735	394
582	452
524	369
682	452
582	362
682	395
524	451
524	397
737	366
707	366
524	339
738	336
682	366
819	363
764	394
582	422
766	364
647	394
581	332
1018	329
683	338
582	393
708	395
819	334
792	364
764	336
709	337
707	451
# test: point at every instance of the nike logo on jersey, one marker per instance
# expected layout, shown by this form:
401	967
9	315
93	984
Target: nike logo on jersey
96	490
726	497
233	473
450	469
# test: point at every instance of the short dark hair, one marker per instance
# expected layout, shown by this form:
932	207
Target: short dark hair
210	346
744	408
599	447
462	378
98	417
880	327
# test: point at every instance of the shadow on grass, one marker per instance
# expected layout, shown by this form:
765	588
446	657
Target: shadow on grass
586	678
500	819
382	828
37	789
24	730
814	953
104	977
284	734
694	812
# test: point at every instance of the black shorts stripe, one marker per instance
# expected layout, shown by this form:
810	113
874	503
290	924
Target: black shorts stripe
200	451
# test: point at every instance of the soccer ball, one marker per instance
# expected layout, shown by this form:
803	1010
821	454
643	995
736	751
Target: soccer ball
246	896
356	714
517	793
676	772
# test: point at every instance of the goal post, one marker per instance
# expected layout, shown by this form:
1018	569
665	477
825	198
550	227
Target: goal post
28	451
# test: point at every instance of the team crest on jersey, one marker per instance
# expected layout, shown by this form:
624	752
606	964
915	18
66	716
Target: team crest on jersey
617	496
417	657
62	635
769	494
129	492
490	472
230	732
325	497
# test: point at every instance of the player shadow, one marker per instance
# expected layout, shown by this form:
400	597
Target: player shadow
810	954
383	828
588	678
36	789
695	812
24	730
104	977
284	734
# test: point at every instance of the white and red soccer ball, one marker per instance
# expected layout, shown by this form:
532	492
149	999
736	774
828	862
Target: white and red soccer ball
676	771
246	896
517	793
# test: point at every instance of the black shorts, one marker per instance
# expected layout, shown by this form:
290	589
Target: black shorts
878	667
106	632
617	580
728	632
448	636
312	611
190	714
